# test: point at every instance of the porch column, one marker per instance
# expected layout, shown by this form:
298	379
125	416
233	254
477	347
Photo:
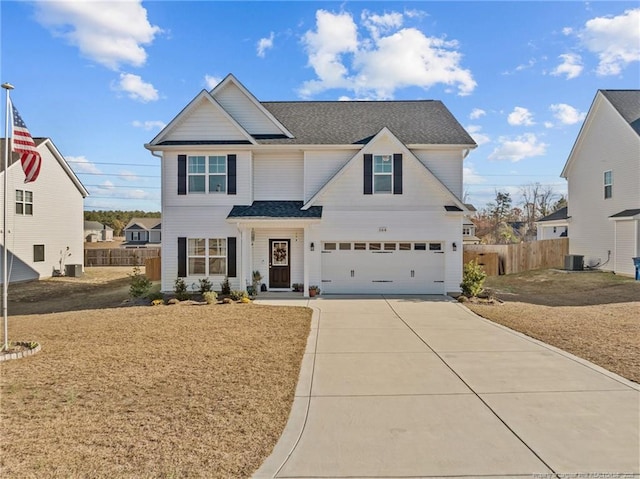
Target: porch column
307	260
245	256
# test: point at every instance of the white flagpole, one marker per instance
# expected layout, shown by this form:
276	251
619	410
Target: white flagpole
5	266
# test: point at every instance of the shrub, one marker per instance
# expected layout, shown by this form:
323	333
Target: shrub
245	300
225	287
472	279
155	296
139	284
180	289
237	295
210	296
157	302
205	285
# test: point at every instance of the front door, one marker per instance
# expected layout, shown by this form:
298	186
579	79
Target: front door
279	264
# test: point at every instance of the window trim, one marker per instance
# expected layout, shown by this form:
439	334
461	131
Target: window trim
608	185
208	175
375	174
37	257
23	203
207	257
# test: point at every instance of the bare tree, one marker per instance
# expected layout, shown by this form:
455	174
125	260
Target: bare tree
537	201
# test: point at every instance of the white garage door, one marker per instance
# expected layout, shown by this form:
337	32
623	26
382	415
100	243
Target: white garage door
382	267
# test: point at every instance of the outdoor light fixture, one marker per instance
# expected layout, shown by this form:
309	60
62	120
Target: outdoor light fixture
455	247
313	247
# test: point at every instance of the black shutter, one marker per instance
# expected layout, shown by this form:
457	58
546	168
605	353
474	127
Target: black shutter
231	257
368	174
397	173
182	257
231	174
182	174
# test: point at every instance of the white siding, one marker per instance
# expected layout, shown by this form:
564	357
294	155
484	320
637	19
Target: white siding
278	176
57	220
550	231
606	143
261	251
626	246
244	111
205	122
320	167
446	165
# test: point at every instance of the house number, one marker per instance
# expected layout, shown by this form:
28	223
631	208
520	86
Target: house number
382	229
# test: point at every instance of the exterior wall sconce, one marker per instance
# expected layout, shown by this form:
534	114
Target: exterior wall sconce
455	247
312	246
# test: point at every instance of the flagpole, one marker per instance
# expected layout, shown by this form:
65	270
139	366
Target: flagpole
5	276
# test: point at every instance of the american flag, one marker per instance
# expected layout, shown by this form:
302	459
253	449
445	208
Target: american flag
23	143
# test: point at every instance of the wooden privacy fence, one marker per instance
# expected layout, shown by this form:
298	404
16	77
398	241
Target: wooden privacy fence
119	257
490	262
516	258
152	268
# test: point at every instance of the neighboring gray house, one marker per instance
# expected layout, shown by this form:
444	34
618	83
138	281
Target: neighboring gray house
352	196
143	233
45	217
554	225
603	175
94	231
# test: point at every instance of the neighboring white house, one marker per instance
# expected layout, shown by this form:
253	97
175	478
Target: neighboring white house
94	231
469	227
603	174
143	233
45	217
554	225
354	197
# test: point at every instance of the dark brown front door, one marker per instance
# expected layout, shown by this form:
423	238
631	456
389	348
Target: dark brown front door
279	264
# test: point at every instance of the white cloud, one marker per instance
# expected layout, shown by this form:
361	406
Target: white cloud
566	114
80	164
477	113
520	116
548	124
149	124
265	44
211	81
471	176
109	33
567	31
616	40
478	137
524	146
571	66
388	59
127	175
136	88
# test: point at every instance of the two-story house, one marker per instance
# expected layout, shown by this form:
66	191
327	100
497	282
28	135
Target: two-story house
143	233
354	197
603	176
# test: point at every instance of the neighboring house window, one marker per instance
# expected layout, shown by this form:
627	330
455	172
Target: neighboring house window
466	231
608	184
207	259
382	173
38	253
24	202
201	168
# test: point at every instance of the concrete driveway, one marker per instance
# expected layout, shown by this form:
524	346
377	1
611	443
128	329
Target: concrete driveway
422	387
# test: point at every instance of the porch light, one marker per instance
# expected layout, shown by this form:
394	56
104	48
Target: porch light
455	247
312	246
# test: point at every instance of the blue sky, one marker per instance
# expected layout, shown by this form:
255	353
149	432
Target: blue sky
101	78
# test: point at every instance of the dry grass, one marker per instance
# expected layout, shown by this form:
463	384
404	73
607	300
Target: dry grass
166	391
593	315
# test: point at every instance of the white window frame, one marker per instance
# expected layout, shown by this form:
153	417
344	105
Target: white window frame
24	202
207	173
206	250
380	174
608	184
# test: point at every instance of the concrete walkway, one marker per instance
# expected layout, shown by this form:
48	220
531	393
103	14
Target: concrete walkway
422	387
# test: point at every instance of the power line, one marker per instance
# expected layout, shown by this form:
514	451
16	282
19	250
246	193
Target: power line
120	174
115	164
125	186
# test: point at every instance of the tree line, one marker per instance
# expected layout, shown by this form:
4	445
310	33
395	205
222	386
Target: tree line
500	222
118	219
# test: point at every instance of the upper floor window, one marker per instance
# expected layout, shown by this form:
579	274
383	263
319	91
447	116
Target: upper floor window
466	231
608	184
207	174
24	202
382	173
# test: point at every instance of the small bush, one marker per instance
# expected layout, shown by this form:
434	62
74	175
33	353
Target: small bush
472	279
157	302
180	290
156	295
225	287
139	284
237	295
205	285
245	300
210	297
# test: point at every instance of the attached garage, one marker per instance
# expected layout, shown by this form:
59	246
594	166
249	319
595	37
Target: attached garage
374	267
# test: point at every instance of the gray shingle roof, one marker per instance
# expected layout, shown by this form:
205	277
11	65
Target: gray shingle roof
146	223
625	213
627	102
356	122
96	225
276	209
560	214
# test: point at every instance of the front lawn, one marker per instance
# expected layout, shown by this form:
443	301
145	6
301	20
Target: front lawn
594	315
139	392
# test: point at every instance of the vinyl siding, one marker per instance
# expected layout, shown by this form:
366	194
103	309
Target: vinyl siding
278	176
244	111
606	142
446	165
57	221
320	167
206	122
626	246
